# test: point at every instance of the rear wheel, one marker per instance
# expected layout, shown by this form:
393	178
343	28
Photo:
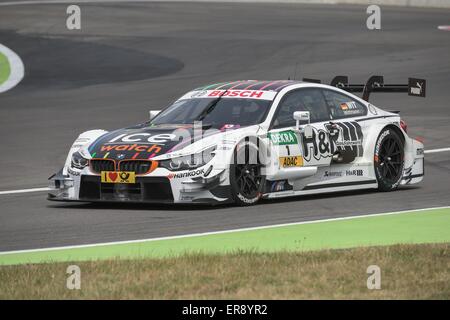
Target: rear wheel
389	160
245	175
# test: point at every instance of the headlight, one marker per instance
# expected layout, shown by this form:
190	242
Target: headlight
189	162
78	161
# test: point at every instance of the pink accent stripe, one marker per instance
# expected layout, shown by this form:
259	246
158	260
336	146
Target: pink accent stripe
252	85
225	85
268	85
286	83
152	155
135	156
239	82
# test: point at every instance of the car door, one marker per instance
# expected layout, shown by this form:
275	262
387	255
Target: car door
346	134
291	147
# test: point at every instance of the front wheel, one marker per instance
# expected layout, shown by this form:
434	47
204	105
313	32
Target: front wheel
389	160
246	179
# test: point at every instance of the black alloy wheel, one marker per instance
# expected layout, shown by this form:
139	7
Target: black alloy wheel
389	160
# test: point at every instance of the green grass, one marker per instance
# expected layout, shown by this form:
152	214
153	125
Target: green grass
430	226
5	69
420	271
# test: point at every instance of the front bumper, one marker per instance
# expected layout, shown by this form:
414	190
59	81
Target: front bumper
147	189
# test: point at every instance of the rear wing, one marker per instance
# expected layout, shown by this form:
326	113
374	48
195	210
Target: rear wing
415	87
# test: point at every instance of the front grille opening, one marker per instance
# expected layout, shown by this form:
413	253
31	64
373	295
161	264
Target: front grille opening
99	165
137	166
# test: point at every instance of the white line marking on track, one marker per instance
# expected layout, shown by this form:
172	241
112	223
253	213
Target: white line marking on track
17	69
24	190
444	28
220	232
437	150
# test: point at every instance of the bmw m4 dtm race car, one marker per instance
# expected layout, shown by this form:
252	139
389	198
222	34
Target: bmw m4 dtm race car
242	141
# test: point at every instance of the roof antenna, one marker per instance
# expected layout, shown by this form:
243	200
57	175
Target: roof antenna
295	70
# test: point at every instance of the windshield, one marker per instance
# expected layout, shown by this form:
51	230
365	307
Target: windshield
215	112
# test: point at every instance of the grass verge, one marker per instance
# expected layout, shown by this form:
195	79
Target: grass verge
428	226
407	272
5	69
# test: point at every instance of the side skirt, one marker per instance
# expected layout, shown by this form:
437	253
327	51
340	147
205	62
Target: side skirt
325	188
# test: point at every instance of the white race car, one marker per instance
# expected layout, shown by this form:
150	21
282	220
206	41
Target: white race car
243	141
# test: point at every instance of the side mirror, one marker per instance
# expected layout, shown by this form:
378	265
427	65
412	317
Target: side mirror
153	113
301	116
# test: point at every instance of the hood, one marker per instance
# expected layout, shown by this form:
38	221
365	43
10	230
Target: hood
146	142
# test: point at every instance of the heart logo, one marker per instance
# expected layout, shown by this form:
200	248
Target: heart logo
112	176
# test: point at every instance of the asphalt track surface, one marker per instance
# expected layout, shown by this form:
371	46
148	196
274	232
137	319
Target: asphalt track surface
130	58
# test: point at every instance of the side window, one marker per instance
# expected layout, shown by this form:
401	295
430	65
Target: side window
342	106
310	100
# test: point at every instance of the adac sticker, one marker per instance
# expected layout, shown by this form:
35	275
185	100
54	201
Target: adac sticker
283	137
291	161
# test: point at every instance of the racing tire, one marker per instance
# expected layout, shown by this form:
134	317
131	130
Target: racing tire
246	179
389	158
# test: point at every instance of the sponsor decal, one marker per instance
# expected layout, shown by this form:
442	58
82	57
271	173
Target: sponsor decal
420	151
339	174
187	174
73	172
354	172
249	94
417	87
131	147
198	94
349	108
143	138
347	139
347	143
184	197
317	146
283	137
330	174
236	93
118	177
378	145
343	137
291	161
279	185
230	127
